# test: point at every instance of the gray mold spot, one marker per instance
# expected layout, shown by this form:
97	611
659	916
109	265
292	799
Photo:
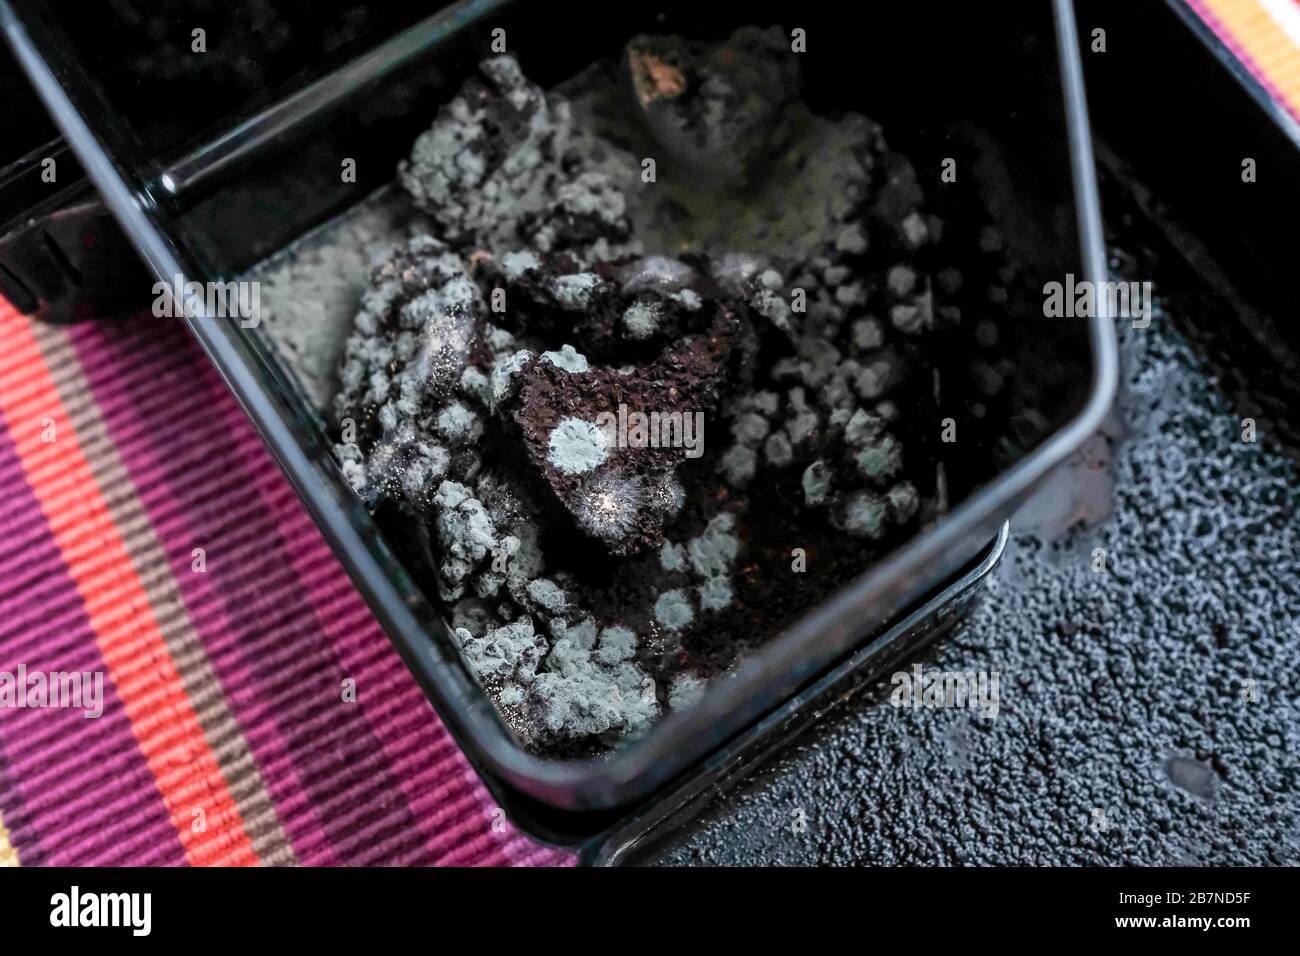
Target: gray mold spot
548	595
712	553
641	320
686	689
673	610
816	484
608	506
567	358
715	594
864	515
577	446
672	557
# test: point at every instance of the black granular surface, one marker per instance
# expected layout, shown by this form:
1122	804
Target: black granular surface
1148	715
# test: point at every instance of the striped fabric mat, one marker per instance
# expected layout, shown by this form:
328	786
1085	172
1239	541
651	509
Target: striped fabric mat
225	737
1265	36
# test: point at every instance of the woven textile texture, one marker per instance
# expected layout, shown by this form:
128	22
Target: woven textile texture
147	536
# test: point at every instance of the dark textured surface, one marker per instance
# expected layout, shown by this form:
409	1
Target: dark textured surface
1126	732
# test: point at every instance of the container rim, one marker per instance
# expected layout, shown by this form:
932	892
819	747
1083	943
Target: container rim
861	606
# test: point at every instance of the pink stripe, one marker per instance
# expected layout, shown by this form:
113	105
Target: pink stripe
171	518
84	786
442	805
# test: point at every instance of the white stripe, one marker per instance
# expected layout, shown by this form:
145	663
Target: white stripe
1285	14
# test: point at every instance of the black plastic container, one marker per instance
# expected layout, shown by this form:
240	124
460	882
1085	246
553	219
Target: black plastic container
212	204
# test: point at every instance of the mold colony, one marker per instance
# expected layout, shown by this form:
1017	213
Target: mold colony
596	579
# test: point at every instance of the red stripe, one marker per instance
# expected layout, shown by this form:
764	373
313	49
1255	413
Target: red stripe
162	718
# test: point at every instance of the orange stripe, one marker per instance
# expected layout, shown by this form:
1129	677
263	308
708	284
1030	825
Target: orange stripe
125	624
1260	37
8	855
